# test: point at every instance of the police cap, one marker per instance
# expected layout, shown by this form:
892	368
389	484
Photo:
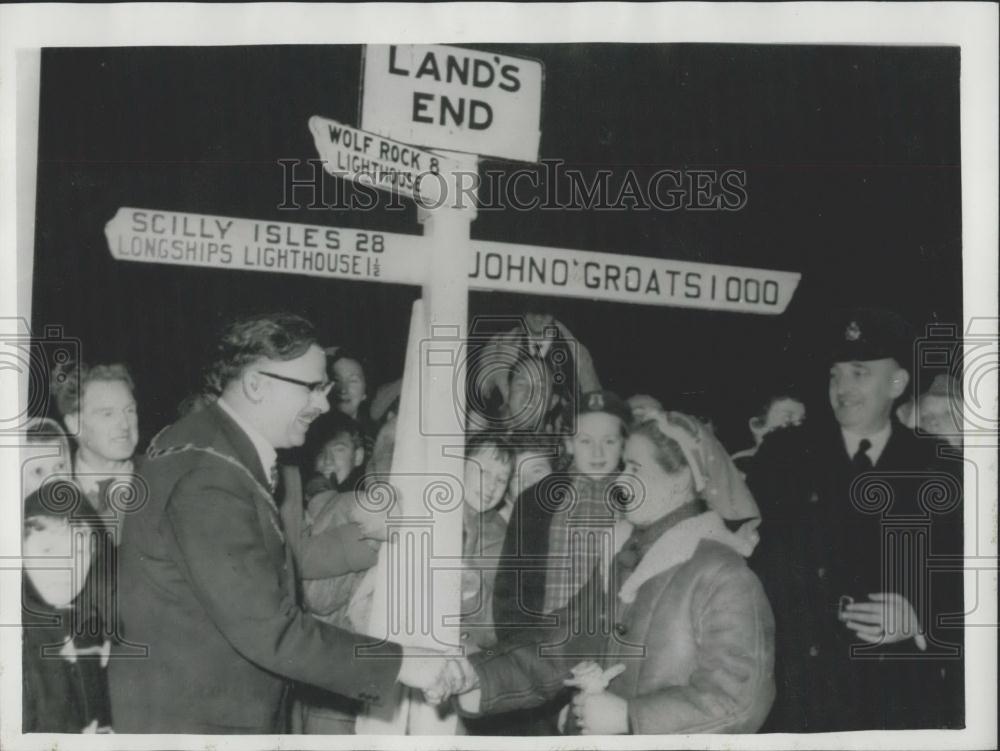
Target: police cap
862	334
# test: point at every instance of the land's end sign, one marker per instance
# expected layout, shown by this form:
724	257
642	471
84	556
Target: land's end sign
443	97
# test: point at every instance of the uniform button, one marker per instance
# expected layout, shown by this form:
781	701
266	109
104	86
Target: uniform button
490	653
814	498
821	572
465	635
621	629
814	651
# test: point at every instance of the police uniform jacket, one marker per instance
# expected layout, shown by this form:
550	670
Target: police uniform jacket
833	531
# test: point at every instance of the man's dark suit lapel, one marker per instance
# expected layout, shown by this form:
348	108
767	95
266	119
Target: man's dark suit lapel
240	443
231	440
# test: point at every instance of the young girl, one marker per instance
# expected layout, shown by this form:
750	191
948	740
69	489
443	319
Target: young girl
562	519
64	667
689	643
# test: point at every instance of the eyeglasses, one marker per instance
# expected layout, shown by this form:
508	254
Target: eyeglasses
315	387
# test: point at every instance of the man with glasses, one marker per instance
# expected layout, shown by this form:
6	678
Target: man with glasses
208	585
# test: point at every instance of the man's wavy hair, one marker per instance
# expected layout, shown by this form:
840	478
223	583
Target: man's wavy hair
70	380
275	336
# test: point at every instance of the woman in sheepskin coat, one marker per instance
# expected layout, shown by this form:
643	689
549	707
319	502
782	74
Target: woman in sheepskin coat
685	644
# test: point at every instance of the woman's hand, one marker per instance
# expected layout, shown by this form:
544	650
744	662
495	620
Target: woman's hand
600	714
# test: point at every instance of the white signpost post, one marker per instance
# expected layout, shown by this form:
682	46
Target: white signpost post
464	101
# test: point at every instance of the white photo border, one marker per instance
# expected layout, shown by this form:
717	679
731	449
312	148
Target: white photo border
26	29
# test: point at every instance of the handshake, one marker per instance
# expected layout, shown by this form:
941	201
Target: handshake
439	676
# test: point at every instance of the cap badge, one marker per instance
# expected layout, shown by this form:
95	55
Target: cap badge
595	402
853	332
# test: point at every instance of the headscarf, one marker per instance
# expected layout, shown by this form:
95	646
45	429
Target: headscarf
716	478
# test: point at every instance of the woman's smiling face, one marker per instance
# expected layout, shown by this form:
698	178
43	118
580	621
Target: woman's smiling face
653	491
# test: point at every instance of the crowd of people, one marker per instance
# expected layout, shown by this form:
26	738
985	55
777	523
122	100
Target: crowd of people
623	571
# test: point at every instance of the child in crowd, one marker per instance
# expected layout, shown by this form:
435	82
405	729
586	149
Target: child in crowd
47	455
349	395
938	411
330	599
533	404
335	454
643	407
488	469
558	518
534	459
342	597
489	461
595	451
779	410
64	675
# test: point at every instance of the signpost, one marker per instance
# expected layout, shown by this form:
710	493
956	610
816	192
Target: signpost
453	98
465	101
184	239
540	270
380	162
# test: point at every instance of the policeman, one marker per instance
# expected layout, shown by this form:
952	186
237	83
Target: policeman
855	510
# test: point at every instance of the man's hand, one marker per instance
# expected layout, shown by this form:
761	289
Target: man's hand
602	713
458	677
421	668
885	619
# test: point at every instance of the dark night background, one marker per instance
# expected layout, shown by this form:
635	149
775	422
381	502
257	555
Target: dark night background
853	178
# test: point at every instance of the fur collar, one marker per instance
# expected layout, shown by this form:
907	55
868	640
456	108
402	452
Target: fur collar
678	544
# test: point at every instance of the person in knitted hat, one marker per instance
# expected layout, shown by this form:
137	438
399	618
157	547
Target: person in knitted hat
716	478
688	645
